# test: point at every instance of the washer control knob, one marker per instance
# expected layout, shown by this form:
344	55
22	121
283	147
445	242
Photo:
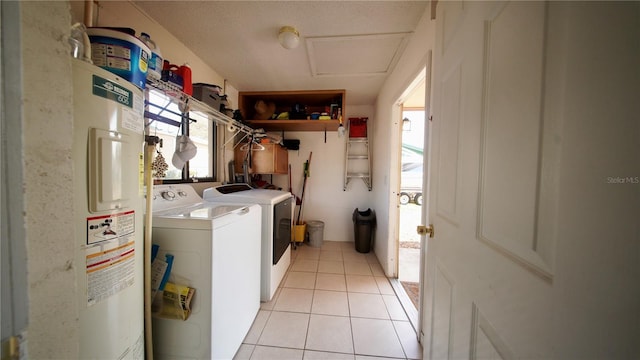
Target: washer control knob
168	195
182	193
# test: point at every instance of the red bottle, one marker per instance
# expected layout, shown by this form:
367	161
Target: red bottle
185	72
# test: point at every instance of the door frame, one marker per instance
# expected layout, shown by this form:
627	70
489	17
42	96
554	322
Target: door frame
426	177
14	307
422	73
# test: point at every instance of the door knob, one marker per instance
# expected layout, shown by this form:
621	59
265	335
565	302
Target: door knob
426	230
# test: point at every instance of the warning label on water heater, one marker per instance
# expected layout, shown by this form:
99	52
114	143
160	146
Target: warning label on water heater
110	263
108	227
110	270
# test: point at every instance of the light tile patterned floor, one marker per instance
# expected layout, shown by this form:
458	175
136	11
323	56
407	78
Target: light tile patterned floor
334	303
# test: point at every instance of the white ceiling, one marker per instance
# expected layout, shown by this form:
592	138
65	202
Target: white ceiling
350	45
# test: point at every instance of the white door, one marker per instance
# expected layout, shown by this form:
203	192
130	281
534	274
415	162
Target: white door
534	182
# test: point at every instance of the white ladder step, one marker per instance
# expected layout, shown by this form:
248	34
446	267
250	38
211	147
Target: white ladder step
356	150
358	140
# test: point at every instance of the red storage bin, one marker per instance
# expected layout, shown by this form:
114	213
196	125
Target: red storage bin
358	127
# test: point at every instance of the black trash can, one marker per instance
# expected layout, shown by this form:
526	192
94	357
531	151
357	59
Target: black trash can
363	224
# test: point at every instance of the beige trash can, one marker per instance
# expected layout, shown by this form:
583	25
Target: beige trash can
315	229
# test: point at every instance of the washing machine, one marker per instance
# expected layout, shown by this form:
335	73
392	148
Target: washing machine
216	250
277	214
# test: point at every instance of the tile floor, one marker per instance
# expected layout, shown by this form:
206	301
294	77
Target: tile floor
333	303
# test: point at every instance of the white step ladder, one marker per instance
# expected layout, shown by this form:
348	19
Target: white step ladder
357	159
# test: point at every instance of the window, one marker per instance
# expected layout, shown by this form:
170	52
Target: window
165	121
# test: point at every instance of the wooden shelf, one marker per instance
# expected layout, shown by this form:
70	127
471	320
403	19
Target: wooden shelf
294	125
312	100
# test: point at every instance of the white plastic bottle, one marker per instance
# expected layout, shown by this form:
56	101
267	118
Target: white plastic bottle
155	63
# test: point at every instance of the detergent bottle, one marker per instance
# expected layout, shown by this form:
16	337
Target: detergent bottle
154	69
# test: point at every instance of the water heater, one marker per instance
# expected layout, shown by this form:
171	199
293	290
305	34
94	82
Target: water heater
108	170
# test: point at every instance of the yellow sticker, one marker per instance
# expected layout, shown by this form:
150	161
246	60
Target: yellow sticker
141	174
144	59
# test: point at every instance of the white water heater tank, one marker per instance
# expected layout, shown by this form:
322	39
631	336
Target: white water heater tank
108	152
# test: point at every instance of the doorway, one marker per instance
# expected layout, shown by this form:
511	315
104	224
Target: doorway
410	194
410	199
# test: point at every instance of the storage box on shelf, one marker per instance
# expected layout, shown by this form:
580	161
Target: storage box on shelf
265	158
358	127
307	101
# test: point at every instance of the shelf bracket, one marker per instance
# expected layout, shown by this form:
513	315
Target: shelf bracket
152	140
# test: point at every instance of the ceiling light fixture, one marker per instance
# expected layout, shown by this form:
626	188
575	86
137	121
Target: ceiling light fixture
289	37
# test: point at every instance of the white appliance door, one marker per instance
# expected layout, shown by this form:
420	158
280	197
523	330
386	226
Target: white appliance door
534	182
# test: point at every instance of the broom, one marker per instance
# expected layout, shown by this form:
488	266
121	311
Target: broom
307	166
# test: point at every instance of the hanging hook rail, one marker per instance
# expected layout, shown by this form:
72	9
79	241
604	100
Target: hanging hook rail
176	95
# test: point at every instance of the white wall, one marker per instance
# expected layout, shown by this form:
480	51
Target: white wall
49	215
387	141
324	197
